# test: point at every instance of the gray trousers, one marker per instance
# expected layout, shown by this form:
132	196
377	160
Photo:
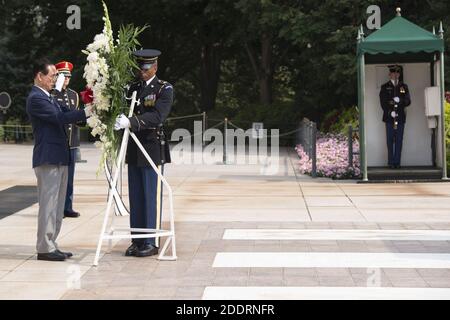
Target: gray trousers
51	189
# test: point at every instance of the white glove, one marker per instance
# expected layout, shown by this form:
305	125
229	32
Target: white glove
59	82
393	114
88	110
396	99
122	122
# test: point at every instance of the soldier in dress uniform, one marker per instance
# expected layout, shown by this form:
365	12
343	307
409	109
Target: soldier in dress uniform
154	101
394	98
69	99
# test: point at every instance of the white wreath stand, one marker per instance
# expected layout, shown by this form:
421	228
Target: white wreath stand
145	233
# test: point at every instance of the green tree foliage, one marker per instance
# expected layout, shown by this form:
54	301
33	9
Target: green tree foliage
253	60
33	29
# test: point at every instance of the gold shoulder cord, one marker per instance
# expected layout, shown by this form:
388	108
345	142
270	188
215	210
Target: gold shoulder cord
162	87
78	101
70	125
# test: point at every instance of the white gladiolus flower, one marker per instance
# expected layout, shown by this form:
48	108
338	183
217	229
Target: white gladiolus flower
93	57
97	76
93	121
98	144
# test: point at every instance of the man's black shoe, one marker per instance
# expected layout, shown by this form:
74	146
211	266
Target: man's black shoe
71	214
131	251
51	256
397	166
146	250
391	166
66	254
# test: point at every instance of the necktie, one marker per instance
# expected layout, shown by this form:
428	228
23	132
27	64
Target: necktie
52	101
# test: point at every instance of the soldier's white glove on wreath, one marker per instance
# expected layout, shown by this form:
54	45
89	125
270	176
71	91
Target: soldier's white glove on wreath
88	110
396	99
122	122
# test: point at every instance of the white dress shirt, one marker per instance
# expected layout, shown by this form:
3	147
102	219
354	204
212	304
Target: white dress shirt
150	80
45	91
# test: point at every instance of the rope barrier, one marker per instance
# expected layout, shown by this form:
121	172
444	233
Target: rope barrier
201	133
16	129
245	121
268	136
287	133
220	122
14	126
215	126
233	125
20	132
185	117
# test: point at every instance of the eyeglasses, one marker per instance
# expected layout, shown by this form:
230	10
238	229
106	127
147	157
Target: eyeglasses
67	76
54	77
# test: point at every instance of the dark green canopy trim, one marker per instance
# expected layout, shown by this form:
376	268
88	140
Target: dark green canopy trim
409	57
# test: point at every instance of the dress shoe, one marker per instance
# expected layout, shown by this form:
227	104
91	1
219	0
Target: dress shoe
51	256
146	250
66	254
397	166
131	251
391	166
71	214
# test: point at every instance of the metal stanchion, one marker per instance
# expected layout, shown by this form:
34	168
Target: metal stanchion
313	149
225	140
350	146
309	138
17	134
204	128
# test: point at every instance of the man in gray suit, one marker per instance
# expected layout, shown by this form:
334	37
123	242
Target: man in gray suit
51	157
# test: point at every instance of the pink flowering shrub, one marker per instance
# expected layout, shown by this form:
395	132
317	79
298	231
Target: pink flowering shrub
332	158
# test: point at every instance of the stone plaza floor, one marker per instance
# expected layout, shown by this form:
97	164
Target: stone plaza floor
240	234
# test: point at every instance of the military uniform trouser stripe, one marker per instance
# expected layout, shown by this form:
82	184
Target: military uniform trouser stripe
159	202
145	194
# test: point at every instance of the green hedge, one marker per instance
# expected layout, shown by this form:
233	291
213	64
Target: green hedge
15	130
337	121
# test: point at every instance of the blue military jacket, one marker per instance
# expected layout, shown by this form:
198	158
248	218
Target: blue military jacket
48	119
387	93
152	109
69	98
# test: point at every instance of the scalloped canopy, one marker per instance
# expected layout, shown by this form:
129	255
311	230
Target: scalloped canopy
400	36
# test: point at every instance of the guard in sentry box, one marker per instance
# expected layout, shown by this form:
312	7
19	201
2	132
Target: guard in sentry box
394	98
